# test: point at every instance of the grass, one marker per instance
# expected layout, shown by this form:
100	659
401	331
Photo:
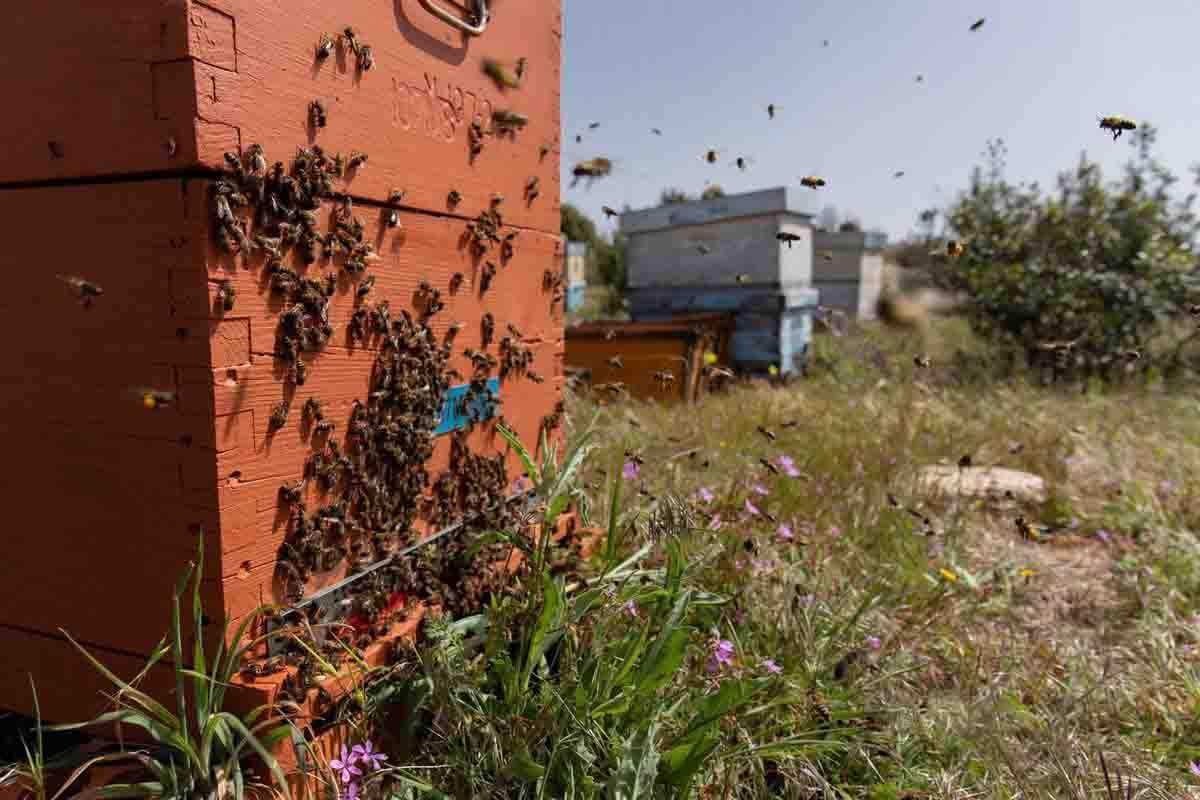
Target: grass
828	625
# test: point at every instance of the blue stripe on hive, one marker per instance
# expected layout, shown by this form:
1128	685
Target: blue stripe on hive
478	409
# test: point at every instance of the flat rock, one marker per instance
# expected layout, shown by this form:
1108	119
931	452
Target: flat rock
993	482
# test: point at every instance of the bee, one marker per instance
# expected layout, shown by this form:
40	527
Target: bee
154	399
1027	531
324	47
366	57
742	162
743	278
977	24
818	704
85	289
1118	125
316	114
497	199
520	66
824	43
543	151
898	173
924	362
364	288
515	331
1131	355
616	363
827	255
771	109
226	294
279	417
608	212
771	468
812	181
351	37
920	78
535	377
784	236
710	156
592	168
357	159
964	461
532	187
456	282
453	198
504	120
485	277
664	379
391	218
487	325
610	334
703	249
504	78
593	125
954	248
578	139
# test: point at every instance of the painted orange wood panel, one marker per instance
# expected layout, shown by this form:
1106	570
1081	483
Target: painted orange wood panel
641	357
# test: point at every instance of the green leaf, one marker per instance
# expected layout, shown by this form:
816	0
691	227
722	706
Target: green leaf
732	695
681	763
523	766
663	662
550	617
531	469
637	769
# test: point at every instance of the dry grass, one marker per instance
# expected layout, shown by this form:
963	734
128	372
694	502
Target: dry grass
1004	667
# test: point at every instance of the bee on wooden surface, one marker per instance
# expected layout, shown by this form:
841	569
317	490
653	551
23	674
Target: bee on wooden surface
765	432
502	75
153	398
504	120
771	109
324	47
543	151
226	294
485	277
475	136
85	289
357	159
977	24
456	282
608	212
812	181
616	363
515	331
664	378
535	377
784	236
453	198
364	288
316	114
532	188
487	328
279	417
610	334
313	411
1117	124
351	37
365	57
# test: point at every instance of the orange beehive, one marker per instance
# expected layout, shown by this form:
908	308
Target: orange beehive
128	112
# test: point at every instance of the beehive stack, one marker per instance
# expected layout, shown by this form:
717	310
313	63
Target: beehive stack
128	117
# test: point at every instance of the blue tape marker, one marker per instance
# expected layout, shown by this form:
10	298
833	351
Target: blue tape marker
479	408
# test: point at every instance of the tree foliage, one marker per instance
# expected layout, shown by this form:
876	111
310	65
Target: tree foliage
1101	265
712	192
673	197
606	260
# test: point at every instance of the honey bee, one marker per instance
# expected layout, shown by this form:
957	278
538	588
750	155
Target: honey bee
153	398
357	159
535	377
592	169
741	162
521	64
742	278
954	248
784	236
226	294
616	363
964	461
454	198
610	334
504	120
924	362
279	417
504	78
316	114
324	47
711	156
1027	531
1117	124
765	432
364	288
608	212
593	125
487	325
515	331
365	57
85	289
827	255
703	249
532	187
977	24
485	277
664	379
456	282
543	151
812	181
898	173
771	468
771	109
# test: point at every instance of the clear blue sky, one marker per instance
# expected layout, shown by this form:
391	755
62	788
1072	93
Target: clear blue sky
1037	75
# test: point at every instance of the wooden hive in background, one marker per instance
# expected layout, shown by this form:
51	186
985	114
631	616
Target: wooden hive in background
128	112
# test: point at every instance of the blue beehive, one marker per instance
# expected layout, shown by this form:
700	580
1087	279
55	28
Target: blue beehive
687	258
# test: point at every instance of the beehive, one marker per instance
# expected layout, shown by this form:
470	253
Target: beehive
128	112
723	255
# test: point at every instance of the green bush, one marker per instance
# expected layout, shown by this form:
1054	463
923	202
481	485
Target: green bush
1104	266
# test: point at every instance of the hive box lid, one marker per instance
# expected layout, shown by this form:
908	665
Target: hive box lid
780	200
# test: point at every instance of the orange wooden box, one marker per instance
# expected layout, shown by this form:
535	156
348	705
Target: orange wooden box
128	110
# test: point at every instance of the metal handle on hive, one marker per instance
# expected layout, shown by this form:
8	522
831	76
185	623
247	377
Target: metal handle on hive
464	26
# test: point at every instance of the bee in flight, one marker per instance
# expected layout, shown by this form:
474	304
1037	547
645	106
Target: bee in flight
954	248
711	156
85	289
920	78
616	363
592	168
771	109
742	162
703	249
743	278
593	126
656	131
1117	124
152	398
923	362
784	236
609	213
812	181
977	24
898	173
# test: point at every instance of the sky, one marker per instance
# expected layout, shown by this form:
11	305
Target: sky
1038	74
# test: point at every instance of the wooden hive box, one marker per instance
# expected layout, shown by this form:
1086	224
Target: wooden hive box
128	113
